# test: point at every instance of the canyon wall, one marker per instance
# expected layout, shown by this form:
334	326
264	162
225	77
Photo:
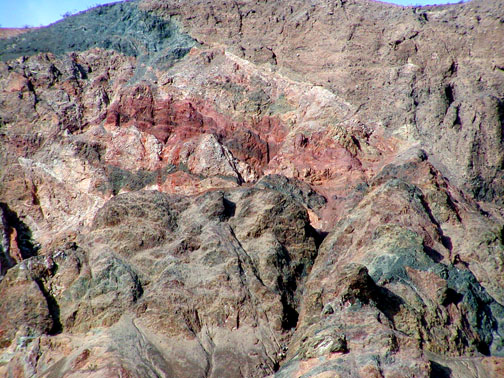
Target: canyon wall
254	188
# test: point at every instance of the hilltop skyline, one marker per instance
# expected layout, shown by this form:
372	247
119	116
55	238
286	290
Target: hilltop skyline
25	13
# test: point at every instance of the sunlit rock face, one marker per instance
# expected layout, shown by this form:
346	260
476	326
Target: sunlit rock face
252	189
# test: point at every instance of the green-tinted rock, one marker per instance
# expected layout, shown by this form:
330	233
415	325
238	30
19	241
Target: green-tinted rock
122	27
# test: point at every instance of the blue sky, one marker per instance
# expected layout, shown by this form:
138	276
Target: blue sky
421	2
18	13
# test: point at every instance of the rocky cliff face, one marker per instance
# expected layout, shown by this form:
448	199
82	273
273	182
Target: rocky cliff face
254	188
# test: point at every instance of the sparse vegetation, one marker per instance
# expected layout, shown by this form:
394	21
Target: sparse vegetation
66	14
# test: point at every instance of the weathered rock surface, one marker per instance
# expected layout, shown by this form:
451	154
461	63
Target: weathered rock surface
251	189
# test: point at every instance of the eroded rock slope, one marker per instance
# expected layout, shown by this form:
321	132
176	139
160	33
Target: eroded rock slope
252	189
